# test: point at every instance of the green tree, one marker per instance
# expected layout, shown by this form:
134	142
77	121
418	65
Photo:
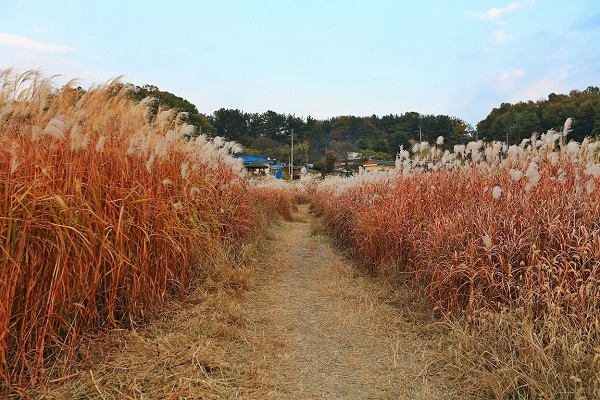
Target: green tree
397	139
274	126
379	145
330	159
519	121
231	124
328	163
462	133
267	147
301	152
596	130
376	155
169	100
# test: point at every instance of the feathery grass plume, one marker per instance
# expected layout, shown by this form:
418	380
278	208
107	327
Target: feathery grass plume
550	139
590	186
164	118
567	128
79	141
100	144
513	154
59	200
88	233
194	192
459	149
149	163
515	175
187	130
533	288
14	160
487	241
592	169
497	192
572	149
533	175
403	154
554	158
562	177
56	128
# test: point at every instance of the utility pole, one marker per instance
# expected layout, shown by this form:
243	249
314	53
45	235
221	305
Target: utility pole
292	156
419	133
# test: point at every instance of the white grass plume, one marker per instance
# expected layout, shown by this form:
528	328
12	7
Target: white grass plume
56	128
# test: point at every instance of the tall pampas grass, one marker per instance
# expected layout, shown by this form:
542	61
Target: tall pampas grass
105	212
505	244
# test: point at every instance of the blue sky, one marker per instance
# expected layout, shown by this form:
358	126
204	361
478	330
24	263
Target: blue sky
321	58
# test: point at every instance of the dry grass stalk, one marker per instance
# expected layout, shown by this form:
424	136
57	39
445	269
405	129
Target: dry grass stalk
104	214
510	246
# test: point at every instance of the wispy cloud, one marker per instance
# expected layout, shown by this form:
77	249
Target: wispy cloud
511	75
566	71
539	89
7	39
541	85
509	81
502	36
495	13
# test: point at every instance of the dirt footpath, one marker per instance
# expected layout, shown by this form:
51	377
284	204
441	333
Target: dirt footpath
321	331
309	327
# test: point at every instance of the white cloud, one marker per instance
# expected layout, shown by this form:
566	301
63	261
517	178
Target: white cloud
495	13
554	81
509	81
509	76
6	39
539	89
566	71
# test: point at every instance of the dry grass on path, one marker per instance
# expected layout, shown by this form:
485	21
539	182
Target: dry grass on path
310	327
322	331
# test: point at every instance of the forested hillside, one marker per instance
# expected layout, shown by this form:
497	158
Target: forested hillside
515	122
269	133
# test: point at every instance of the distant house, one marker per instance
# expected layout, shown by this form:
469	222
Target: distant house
250	159
256	165
257	168
279	167
299	171
345	173
378	165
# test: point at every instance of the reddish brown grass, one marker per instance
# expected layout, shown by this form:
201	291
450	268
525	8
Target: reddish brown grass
521	270
104	213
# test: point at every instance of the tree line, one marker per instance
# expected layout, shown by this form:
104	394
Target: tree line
374	136
269	133
515	122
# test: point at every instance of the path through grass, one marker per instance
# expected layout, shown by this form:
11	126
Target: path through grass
309	327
